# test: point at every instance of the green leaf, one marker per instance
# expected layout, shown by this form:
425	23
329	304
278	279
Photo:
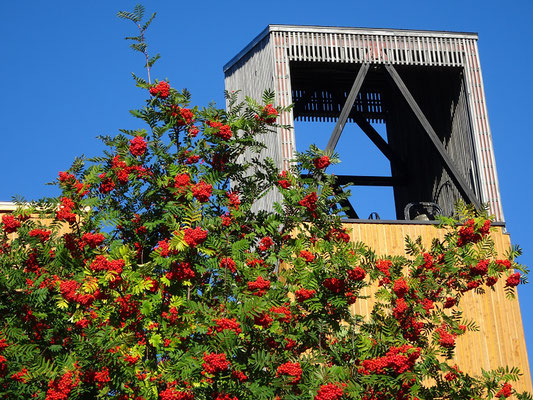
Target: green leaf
155	340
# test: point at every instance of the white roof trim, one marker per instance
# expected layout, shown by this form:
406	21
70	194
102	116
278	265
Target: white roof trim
7	206
346	30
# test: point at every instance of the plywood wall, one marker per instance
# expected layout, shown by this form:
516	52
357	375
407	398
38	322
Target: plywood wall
500	340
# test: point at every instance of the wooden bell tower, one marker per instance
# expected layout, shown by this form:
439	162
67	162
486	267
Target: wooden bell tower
426	88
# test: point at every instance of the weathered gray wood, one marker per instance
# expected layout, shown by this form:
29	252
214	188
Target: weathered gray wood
463	187
341	121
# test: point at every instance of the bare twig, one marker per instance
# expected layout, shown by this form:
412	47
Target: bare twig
145	52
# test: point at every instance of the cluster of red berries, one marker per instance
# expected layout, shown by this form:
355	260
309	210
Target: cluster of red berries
121	169
180	272
163	248
101	378
268	114
69	290
356	274
42	234
60	388
331	391
3	360
446	339
334	285
263	320
468	234
309	202
234	200
93	240
107	185
304	294
338	234
283	313
239	375
101	263
228	263
400	287
128	308
220	130
65	213
182	182
505	391
214	363
291	369
174	394
321	162
397	360
283	181
70	180
185	115
266	243
229	324
137	146
20	376
194	237
202	191
307	255
259	286
162	89
513	280
225	396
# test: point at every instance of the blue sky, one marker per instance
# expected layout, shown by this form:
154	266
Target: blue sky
65	78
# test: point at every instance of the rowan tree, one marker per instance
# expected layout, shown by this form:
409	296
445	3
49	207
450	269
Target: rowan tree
154	276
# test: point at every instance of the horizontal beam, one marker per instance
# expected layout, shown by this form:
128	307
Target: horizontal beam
365	180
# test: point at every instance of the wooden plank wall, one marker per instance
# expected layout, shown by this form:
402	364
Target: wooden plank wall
500	340
251	75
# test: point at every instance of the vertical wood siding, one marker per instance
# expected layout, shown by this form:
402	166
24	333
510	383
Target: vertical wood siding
256	72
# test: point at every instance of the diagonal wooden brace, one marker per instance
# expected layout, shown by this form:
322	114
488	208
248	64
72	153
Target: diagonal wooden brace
341	121
454	173
380	143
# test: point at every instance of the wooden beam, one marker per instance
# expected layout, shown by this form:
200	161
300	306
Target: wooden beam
454	173
350	211
475	159
376	138
341	121
364	180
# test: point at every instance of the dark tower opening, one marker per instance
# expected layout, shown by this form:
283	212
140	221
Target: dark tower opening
418	174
